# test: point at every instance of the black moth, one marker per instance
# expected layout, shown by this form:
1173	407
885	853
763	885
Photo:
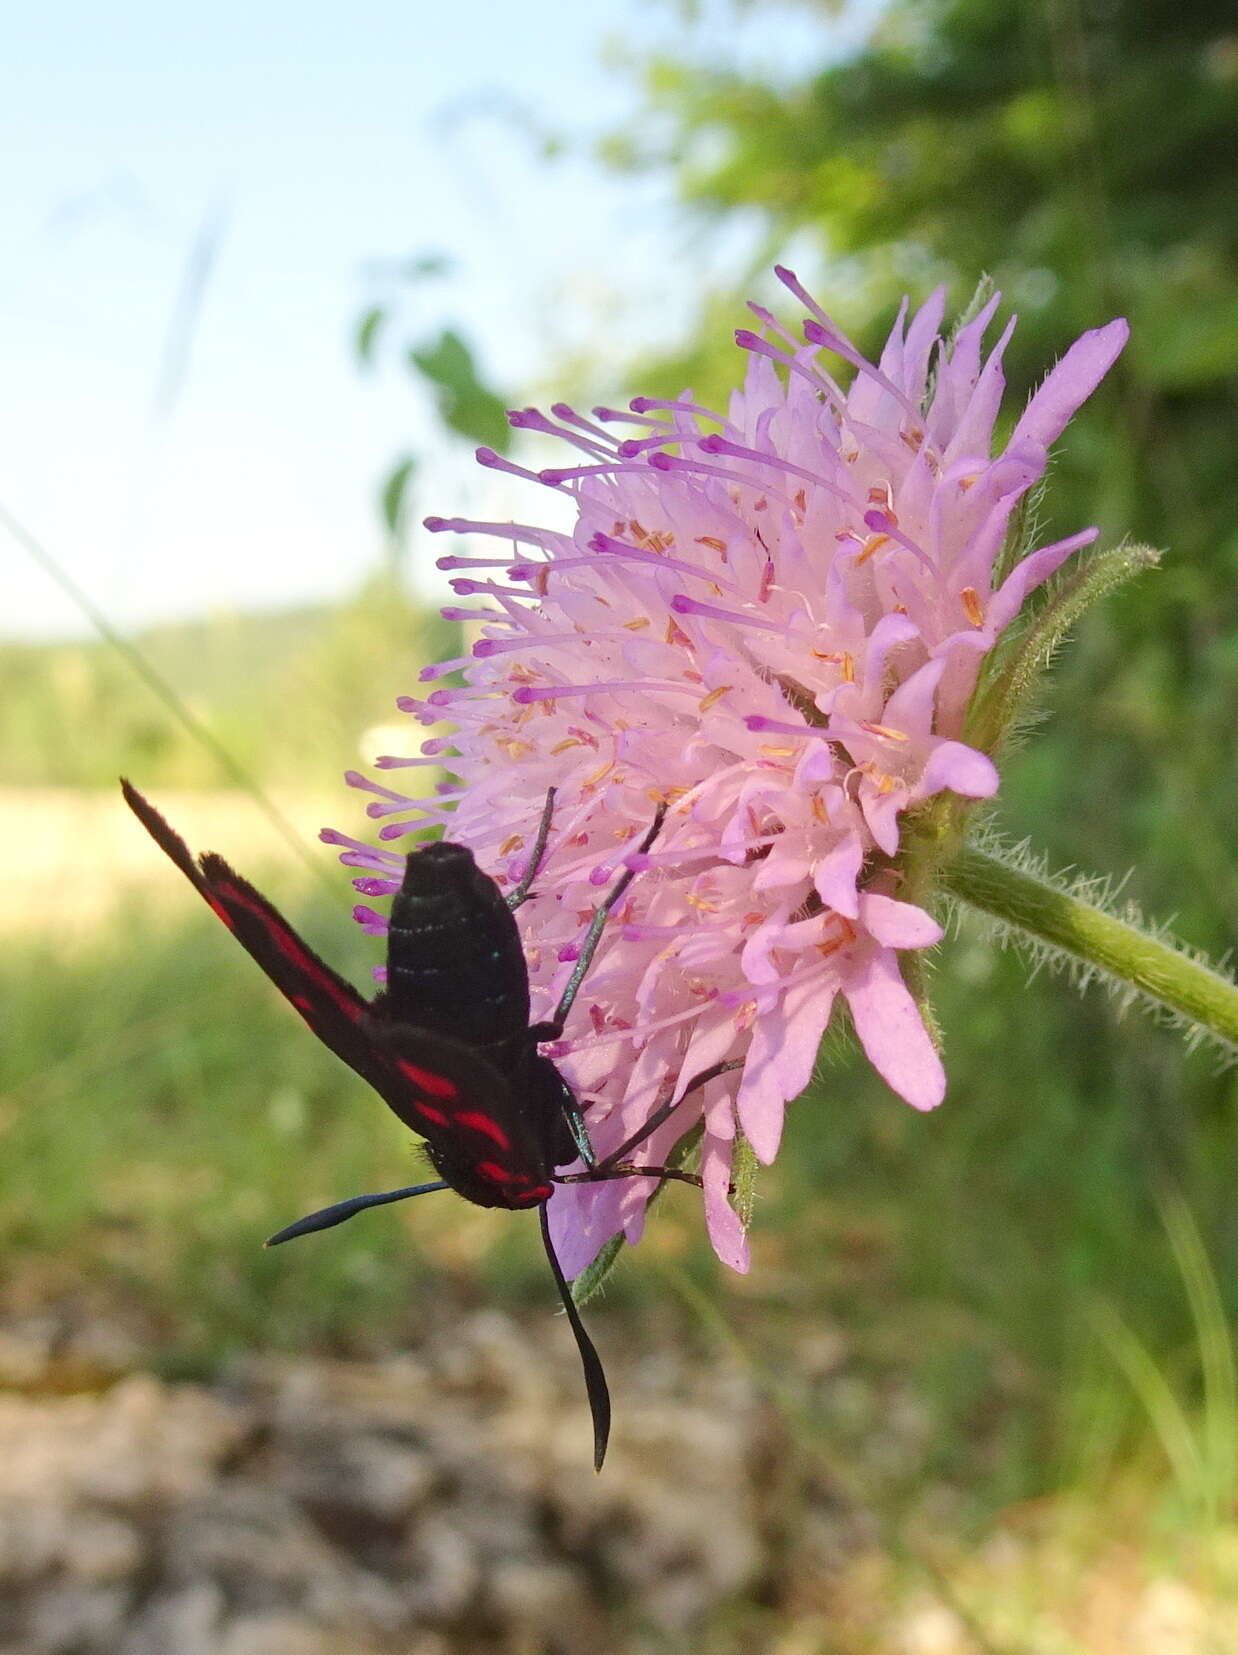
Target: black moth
448	1045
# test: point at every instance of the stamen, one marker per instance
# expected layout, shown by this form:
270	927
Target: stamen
485	647
392	761
571	474
489	617
769	320
758	722
463	692
606	544
816	377
364	856
465	588
562	410
971	605
563	1047
720	445
829	337
398	830
354	778
396	805
633	446
885	524
496	462
440	669
684	605
669	462
546	540
554	692
678	855
871	546
532	419
622	416
455	562
376	887
642	405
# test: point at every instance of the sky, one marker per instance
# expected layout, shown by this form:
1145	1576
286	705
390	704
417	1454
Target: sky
181	449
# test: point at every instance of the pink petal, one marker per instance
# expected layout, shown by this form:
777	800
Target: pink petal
881	812
921	336
1071	383
973	436
726	1231
962	769
708	1046
910	708
780	1061
1029	573
890	631
892	1031
836	873
957	376
583	1217
898	924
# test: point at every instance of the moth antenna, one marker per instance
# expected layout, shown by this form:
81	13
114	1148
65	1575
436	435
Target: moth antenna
590	1361
327	1217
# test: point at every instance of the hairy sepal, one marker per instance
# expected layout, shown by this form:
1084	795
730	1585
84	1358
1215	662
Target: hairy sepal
1006	693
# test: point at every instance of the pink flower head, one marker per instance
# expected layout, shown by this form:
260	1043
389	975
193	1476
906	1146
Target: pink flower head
772	622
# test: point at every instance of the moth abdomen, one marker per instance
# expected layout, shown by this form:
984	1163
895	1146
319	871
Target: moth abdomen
454	956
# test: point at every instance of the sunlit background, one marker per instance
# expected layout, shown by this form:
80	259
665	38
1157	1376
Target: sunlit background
270	274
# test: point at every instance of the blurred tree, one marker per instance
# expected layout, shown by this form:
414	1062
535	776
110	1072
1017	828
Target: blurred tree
1085	152
464	401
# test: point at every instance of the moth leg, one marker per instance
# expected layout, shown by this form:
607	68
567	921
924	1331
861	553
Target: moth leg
661	1114
601	1174
521	893
580	1133
593	935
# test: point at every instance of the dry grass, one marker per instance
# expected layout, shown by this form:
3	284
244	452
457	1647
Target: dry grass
69	857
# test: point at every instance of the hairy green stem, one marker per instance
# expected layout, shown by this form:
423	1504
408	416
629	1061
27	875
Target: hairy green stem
1040	911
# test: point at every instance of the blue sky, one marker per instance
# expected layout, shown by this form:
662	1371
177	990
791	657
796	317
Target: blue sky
305	148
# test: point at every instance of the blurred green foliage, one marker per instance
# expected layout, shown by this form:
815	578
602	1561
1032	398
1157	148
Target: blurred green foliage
443	362
287	694
1086	155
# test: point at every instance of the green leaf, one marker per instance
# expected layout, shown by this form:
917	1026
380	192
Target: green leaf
368	329
465	404
393	500
590	1280
744	1166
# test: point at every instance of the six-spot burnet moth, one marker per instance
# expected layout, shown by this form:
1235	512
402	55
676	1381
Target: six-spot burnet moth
448	1044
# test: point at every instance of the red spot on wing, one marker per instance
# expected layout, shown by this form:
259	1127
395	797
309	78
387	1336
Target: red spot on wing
430	1112
495	1174
438	1086
290	946
483	1123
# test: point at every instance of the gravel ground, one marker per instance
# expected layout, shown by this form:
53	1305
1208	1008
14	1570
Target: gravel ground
443	1503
